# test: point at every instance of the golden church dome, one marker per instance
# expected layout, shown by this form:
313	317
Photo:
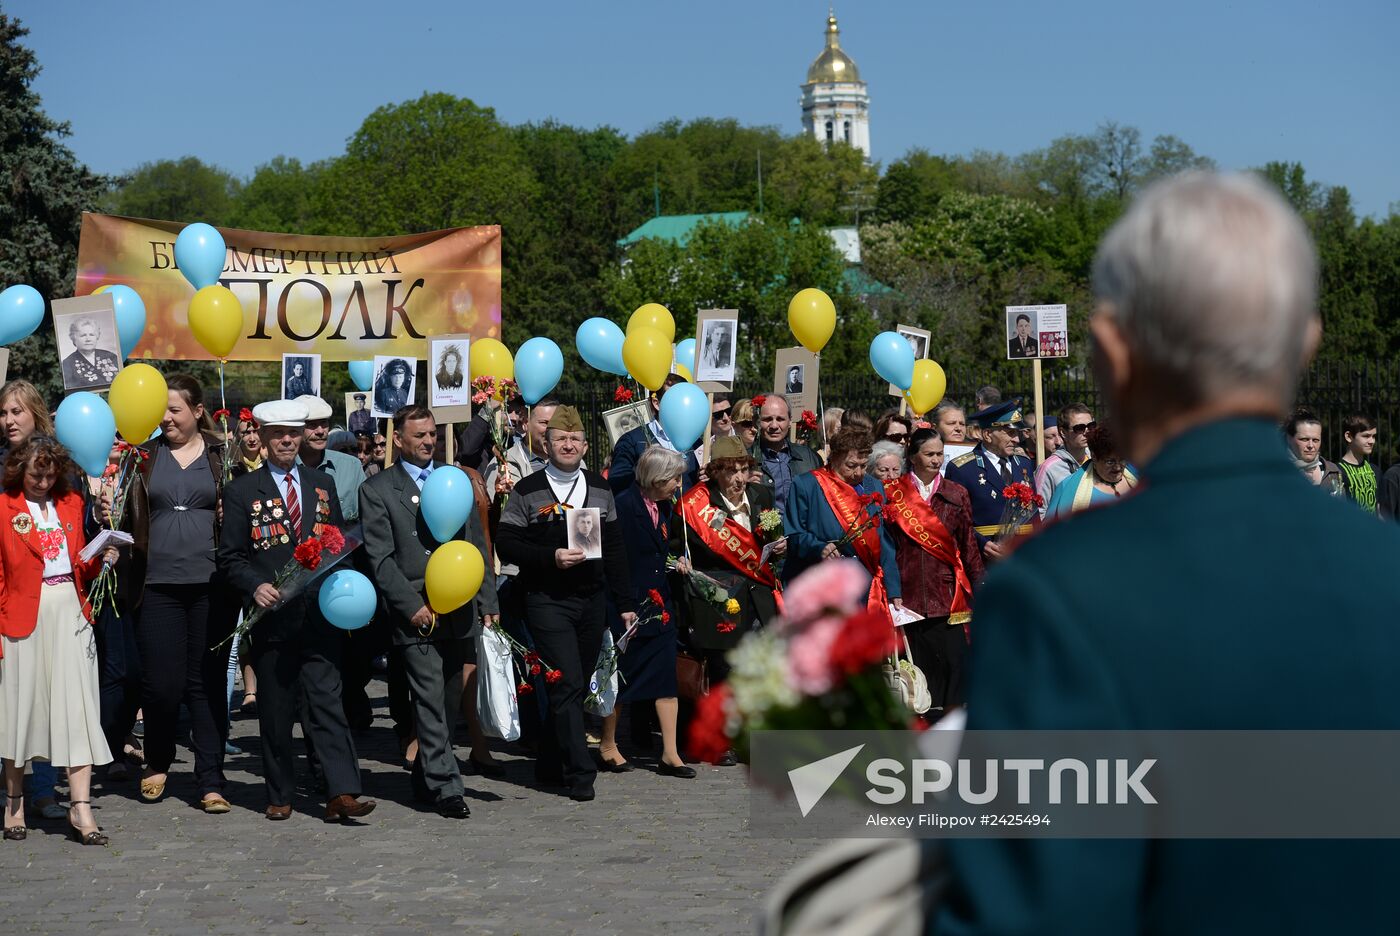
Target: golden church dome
833	64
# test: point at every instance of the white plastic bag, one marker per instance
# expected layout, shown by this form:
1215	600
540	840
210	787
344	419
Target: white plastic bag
602	686
496	704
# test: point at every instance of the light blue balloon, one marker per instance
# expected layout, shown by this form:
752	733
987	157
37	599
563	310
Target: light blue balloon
22	309
85	425
893	359
538	366
199	253
685	353
685	412
347	599
131	316
600	344
362	373
446	502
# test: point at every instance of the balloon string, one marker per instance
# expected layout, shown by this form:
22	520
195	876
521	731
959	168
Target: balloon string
821	405
223	400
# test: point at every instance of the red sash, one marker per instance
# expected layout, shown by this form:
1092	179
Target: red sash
845	503
908	510
736	545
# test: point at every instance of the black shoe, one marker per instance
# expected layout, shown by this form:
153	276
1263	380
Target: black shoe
452	807
727	759
608	767
683	771
581	794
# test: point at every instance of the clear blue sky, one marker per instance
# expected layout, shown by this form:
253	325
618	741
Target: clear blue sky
238	83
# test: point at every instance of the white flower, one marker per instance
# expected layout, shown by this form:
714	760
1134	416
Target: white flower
758	675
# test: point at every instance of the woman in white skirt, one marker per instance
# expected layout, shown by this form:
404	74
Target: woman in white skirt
48	656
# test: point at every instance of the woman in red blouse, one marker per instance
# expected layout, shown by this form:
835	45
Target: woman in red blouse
48	659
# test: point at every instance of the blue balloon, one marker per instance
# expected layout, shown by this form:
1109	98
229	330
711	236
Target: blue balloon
685	353
85	425
538	366
685	412
22	309
362	373
447	502
199	253
131	316
893	359
600	344
347	599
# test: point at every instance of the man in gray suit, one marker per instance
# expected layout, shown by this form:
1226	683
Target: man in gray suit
434	650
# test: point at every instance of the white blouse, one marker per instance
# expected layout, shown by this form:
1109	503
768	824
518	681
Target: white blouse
60	564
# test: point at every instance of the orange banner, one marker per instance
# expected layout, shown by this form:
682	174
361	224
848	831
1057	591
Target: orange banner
344	298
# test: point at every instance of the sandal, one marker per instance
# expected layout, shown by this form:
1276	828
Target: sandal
151	790
20	832
91	837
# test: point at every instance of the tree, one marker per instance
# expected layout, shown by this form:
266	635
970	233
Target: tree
185	190
912	186
819	183
281	197
1169	156
46	191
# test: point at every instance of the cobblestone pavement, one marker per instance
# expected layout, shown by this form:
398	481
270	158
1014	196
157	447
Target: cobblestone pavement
649	854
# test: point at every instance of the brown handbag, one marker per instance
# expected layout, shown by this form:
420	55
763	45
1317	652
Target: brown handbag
692	679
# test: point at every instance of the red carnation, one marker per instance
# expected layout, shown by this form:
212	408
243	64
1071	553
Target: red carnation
553	676
524	689
308	554
665	617
709	737
332	539
758	401
246	415
654	596
531	657
622	395
221	415
809	421
725	627
534	669
865	639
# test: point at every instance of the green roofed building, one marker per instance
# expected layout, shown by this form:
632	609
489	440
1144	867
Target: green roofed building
677	228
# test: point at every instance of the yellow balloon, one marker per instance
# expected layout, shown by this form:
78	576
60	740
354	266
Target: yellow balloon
101	289
453	577
928	387
138	399
647	354
653	315
216	318
684	371
490	358
812	318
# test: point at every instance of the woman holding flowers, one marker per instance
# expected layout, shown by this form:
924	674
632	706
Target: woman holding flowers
172	517
48	660
836	511
647	657
729	590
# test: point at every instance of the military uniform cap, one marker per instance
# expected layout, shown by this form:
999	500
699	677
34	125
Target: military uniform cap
728	447
1005	415
281	413
566	419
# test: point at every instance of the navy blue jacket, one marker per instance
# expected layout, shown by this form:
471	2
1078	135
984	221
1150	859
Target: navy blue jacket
647	549
623	469
811	524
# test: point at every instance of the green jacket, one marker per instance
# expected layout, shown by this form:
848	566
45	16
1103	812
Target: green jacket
1201	602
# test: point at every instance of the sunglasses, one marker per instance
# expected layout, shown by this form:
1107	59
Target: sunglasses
746	423
1082	427
723	414
897	436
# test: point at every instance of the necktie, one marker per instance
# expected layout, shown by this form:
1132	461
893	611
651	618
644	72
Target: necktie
293	508
1006	471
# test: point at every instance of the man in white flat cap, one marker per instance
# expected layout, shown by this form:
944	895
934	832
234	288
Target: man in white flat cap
345	470
267	513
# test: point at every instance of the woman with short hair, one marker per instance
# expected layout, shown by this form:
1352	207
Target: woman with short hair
1100	481
49	694
886	462
951	422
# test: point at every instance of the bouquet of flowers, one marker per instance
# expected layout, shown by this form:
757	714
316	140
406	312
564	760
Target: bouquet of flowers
488	388
530	663
1021	504
622	395
315	553
819	666
117	479
705	586
770	526
807	428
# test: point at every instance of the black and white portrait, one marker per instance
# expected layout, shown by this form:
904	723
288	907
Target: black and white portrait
358	418
301	375
917	343
717	350
393	384
88	347
586	531
448	363
793	382
1021	340
622	420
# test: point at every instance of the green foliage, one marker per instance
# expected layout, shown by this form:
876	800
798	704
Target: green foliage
279	197
177	190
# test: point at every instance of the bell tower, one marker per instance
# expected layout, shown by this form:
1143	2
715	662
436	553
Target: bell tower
835	103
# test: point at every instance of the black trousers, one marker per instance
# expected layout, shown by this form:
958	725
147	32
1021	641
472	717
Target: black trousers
568	634
938	649
174	636
309	664
433	670
119	677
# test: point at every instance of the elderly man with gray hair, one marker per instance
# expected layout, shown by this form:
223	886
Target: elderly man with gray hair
1211	607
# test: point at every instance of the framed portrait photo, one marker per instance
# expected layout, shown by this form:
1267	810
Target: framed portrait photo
89	350
301	375
358	418
716	349
393	384
795	377
918	339
623	419
449	383
585	528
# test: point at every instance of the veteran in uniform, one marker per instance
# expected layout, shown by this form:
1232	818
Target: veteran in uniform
990	467
267	513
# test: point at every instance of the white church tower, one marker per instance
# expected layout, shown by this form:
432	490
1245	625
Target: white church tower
835	105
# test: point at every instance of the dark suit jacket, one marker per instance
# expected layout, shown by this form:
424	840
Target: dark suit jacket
804	459
247	563
647	548
629	448
1204	606
398	544
1014	348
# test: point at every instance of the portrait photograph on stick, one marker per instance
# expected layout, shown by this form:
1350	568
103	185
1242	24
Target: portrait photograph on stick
716	346
623	419
89	349
449	384
301	375
918	339
393	384
796	367
358	418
